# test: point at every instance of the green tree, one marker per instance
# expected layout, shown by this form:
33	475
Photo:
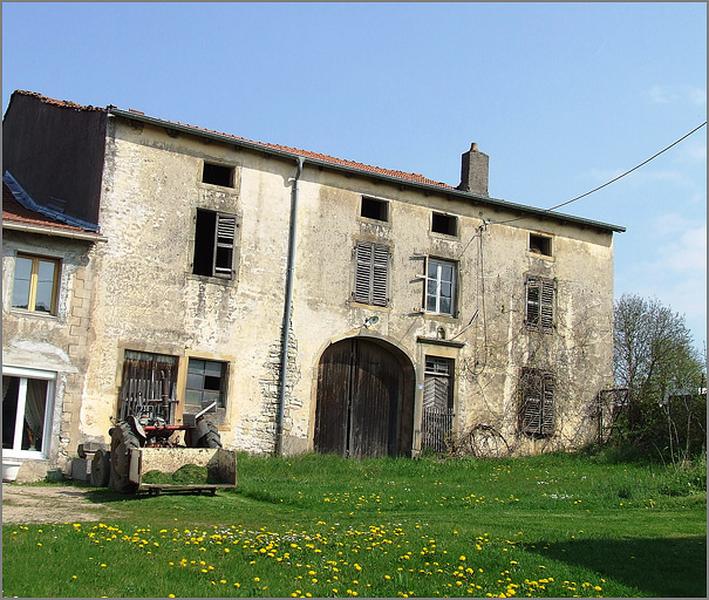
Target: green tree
655	359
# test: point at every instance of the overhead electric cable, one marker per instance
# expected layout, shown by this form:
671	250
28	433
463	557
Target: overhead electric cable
607	183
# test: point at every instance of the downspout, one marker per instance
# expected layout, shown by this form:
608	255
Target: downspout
286	327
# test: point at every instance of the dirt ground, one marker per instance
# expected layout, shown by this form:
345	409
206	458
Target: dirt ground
50	504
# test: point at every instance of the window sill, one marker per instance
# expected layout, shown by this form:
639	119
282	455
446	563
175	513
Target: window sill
213	186
34	313
211	279
441	316
23	454
371	221
444	236
537	329
377	307
539	255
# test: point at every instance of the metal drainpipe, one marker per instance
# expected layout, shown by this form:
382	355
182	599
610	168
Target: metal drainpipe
285	329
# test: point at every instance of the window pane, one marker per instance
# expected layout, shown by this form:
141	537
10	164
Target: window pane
446	289
446	305
432	268
196	366
43	302
430	303
193	401
195	381
33	423
10	387
212	396
447	272
212	383
21	286
214	369
45	285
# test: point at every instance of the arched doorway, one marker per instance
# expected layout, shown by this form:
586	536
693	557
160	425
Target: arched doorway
365	400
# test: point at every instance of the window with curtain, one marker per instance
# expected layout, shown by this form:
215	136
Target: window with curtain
26	403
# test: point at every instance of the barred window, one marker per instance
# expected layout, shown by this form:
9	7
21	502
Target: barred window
371	284
536	410
540	295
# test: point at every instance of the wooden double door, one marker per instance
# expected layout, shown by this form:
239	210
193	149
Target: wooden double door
365	400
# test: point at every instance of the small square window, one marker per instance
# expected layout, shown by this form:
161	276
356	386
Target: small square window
375	209
206	383
540	244
218	175
35	285
445	224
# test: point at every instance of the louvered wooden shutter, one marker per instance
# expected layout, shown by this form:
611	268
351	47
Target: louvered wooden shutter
547	425
380	275
531	409
546	304
371	274
363	272
436	393
533	300
224	245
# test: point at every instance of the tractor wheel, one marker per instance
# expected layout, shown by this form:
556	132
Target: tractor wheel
100	468
123	440
210	437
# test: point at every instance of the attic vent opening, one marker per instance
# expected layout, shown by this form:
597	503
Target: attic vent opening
375	209
540	244
218	175
445	224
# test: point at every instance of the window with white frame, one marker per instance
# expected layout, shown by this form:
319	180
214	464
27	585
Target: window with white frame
26	411
440	286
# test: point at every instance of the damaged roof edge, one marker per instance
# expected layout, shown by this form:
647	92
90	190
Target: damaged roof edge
452	192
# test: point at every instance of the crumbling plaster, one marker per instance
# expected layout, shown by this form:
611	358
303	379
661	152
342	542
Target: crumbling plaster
147	296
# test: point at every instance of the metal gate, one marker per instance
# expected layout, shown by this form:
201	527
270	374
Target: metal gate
365	400
437	422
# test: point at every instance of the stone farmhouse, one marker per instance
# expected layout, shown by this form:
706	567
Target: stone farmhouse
325	305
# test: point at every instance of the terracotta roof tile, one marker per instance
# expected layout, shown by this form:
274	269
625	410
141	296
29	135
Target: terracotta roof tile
13	211
403	175
61	103
414	177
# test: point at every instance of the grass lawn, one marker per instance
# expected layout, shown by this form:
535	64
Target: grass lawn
316	526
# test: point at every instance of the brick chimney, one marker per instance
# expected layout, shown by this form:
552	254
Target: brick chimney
474	170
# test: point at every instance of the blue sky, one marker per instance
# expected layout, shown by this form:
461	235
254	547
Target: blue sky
561	96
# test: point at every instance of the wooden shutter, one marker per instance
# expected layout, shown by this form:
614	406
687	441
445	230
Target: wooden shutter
371	274
146	378
531	409
363	272
225	232
533	301
380	276
547	425
540	303
546	304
